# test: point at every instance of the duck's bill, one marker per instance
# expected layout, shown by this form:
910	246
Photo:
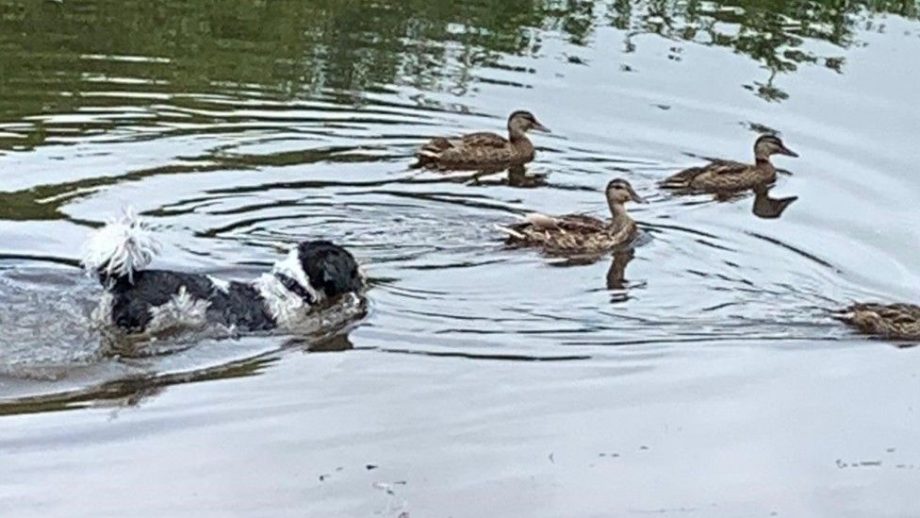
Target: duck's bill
788	152
539	127
636	198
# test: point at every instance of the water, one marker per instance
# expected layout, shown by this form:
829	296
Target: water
701	376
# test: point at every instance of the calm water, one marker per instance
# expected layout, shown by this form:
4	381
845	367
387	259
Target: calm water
700	378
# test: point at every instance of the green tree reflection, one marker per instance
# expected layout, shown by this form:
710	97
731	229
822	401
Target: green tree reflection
346	47
771	32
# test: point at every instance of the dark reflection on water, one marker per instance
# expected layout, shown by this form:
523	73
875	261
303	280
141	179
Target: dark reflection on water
134	389
767	207
771	32
241	127
764	205
128	391
55	62
616	275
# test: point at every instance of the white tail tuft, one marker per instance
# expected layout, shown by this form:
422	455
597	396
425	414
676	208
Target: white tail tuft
541	221
121	248
510	231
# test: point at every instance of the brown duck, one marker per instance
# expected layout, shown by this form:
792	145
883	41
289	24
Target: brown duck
725	175
892	321
483	150
579	233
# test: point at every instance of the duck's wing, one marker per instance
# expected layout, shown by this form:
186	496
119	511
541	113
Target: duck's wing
566	235
435	146
720	167
467	149
581	223
911	309
899	313
482	139
716	168
897	321
536	223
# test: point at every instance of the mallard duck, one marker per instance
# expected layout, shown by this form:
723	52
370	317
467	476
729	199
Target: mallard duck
725	175
893	321
579	233
483	150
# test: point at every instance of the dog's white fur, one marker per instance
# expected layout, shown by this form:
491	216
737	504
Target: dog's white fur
102	313
285	307
123	246
182	312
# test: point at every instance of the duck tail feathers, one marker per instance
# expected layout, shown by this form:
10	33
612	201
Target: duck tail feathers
510	232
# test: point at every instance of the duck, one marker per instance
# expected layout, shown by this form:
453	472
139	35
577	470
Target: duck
897	321
483	150
579	234
726	175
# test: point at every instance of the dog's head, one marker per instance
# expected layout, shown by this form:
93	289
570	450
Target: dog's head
319	270
330	268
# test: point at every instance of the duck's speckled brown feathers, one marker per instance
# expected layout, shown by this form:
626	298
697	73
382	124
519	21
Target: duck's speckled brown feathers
580	234
475	151
722	175
893	321
571	234
483	150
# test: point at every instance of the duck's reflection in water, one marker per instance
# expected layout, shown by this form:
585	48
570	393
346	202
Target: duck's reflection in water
769	208
616	274
518	176
764	205
616	280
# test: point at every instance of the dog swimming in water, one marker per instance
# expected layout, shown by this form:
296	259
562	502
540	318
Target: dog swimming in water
137	300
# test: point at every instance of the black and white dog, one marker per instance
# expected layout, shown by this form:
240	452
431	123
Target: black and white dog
141	301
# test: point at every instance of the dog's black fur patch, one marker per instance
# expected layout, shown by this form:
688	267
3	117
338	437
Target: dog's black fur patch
241	305
329	267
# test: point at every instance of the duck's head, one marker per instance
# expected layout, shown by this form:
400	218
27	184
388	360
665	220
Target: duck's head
523	121
619	191
768	145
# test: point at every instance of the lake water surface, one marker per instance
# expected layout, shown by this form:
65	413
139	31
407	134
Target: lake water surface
700	376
